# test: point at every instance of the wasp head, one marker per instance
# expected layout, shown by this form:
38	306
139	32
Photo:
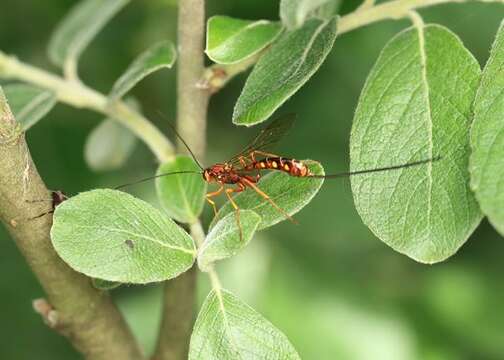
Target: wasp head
216	172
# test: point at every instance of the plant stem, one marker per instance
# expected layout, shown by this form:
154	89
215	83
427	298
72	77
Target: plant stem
217	76
79	95
391	10
178	312
74	308
366	4
197	233
364	15
192	103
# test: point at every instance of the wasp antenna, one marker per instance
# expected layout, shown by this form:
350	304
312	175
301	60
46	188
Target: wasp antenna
155	177
38	201
394	167
181	139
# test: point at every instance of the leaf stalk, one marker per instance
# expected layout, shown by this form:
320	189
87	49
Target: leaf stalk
78	95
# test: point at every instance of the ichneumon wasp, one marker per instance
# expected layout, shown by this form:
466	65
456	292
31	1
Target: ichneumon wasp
244	170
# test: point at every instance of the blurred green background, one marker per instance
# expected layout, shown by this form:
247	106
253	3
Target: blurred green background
328	283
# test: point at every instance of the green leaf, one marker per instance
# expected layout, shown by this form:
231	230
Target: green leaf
279	73
78	28
294	13
109	146
328	9
29	104
104	284
227	328
233	40
288	192
417	104
487	137
183	195
110	235
224	240
158	56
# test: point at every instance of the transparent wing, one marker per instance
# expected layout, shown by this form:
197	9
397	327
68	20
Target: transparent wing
267	138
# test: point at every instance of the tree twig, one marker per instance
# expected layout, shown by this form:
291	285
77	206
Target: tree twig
74	308
178	314
77	94
192	103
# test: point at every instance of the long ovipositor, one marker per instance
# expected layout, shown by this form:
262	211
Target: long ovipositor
291	166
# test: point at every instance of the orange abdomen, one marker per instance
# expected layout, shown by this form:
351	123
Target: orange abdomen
291	166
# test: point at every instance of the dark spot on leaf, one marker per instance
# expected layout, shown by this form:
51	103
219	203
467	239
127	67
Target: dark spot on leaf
129	243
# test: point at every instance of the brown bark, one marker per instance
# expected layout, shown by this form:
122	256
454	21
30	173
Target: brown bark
74	308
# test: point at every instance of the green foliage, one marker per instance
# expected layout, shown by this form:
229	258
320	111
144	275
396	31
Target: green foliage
227	328
110	235
417	104
327	10
28	103
183	195
288	192
290	62
232	40
225	239
79	27
158	56
487	165
109	146
294	13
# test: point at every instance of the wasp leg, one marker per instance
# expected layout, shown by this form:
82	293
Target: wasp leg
213	194
240	187
44	213
244	165
266	197
41	215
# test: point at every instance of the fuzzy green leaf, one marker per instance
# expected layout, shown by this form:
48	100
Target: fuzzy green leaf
224	240
288	192
487	137
417	104
294	13
287	66
109	146
29	104
77	29
111	235
229	329
232	40
158	56
183	195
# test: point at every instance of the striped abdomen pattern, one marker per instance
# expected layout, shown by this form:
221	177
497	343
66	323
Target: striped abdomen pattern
291	166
